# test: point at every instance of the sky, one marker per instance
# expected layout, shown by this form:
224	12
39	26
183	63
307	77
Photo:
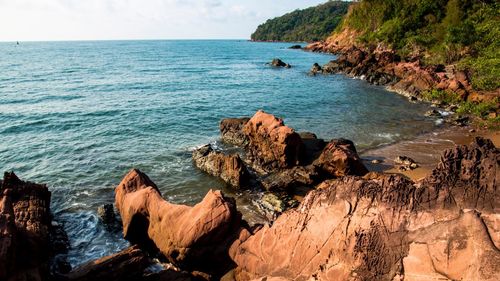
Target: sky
47	20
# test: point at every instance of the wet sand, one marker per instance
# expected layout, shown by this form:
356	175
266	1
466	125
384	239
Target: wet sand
426	150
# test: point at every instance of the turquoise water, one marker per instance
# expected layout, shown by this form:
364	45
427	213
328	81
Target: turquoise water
78	115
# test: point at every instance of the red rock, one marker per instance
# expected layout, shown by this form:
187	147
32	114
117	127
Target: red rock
339	158
385	227
195	238
271	144
229	168
24	227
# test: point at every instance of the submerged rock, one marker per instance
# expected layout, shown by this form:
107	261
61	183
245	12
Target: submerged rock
295	47
231	130
194	238
229	168
107	213
271	144
279	63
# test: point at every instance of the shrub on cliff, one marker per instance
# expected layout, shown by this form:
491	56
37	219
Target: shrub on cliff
311	24
462	32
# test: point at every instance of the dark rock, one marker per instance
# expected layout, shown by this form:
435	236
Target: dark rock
287	179
127	265
405	163
313	146
461	121
295	47
232	130
280	63
315	69
25	224
229	168
433	113
339	158
107	213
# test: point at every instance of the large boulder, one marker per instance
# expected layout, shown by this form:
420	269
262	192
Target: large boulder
127	265
231	130
386	227
339	158
279	63
25	225
229	168
271	144
195	238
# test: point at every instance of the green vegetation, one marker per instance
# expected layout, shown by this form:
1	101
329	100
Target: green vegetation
480	109
441	96
461	32
311	24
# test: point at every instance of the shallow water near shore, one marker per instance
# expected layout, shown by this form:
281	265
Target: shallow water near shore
78	115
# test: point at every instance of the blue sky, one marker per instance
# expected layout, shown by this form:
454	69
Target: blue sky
22	20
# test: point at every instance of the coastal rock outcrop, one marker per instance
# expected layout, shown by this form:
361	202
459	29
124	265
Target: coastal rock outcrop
386	227
195	238
231	130
279	63
340	158
229	168
271	144
25	224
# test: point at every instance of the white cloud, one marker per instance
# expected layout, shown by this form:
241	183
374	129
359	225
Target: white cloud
136	19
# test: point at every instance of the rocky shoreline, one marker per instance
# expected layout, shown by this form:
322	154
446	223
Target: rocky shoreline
352	224
383	66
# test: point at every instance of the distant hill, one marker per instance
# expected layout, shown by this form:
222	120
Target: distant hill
311	24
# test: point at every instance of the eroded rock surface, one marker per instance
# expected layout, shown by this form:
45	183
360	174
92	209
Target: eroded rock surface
271	144
231	130
339	158
195	238
229	168
25	224
386	227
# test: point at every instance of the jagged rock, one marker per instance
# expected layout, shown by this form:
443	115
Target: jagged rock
386	227
405	163
107	213
229	168
291	178
280	63
340	158
194	238
315	69
25	223
231	130
271	144
127	265
432	113
313	146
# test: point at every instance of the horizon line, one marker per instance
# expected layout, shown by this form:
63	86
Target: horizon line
129	39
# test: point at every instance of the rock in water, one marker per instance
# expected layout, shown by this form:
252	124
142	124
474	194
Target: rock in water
295	47
229	168
25	224
195	238
386	227
107	213
271	144
280	63
339	158
231	130
127	265
315	69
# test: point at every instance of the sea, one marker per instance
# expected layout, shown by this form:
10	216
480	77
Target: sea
78	116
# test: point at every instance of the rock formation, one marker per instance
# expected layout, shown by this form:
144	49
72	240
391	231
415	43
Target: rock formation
25	225
279	63
385	227
195	238
339	158
231	130
229	168
271	144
